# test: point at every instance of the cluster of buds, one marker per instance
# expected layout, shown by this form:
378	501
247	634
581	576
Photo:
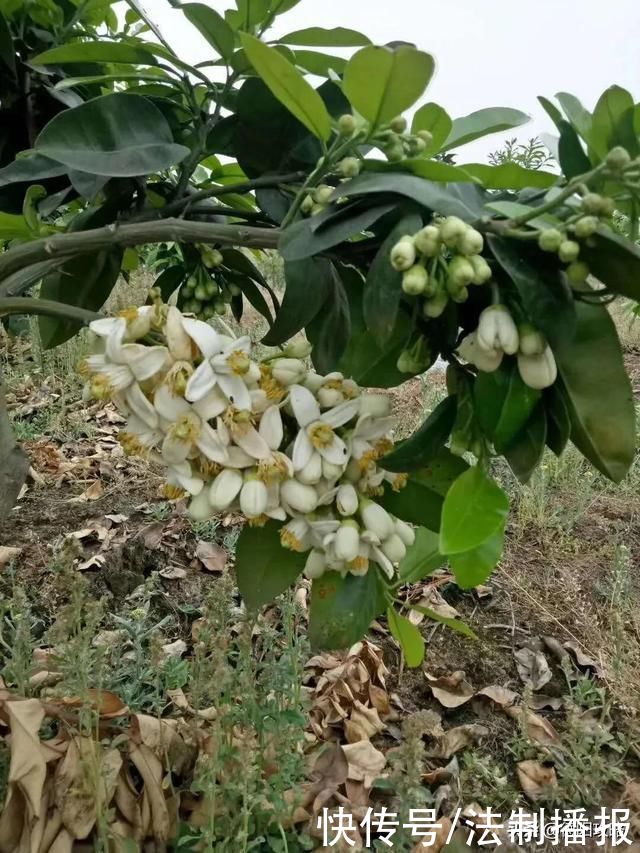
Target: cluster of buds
497	335
393	138
203	294
440	262
271	439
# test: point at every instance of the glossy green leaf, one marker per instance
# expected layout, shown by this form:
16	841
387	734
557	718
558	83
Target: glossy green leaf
264	569
472	568
545	294
169	280
73	82
420	501
432	196
14	227
289	86
30	167
426	442
511	209
320	64
482	123
437	121
551	110
342	609
456	625
572	156
422	558
613	122
615	261
279	7
309	284
84	281
330	329
524	452
503	403
321	37
475	507
116	135
383	286
597	392
408	637
7	50
432	170
509	176
579	117
212	26
95	51
558	420
250	14
382	83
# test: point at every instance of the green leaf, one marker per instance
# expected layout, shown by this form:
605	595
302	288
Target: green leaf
264	568
320	63
30	167
572	156
342	609
408	636
422	558
14	227
289	86
329	331
84	281
426	442
558	420
597	392
509	176
579	117
72	82
117	135
613	123
169	280
382	83
420	501
436	120
551	110
525	451
250	13
321	37
472	568
511	209
212	26
456	625
475	507
615	261
7	50
432	170
95	51
308	285
433	196
503	403
383	287
483	123
545	294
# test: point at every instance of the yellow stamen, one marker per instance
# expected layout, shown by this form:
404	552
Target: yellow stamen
371	491
186	428
273	470
359	563
238	421
132	445
101	387
271	387
399	482
83	368
384	446
290	540
367	460
321	435
178	377
207	468
258	521
130	314
174	493
239	362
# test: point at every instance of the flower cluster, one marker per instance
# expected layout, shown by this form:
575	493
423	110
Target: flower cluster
271	439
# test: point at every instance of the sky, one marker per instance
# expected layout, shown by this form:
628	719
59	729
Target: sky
487	52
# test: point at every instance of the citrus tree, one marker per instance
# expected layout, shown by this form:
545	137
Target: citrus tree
115	147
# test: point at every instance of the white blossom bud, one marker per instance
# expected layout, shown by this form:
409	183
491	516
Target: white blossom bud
481	269
347	541
538	371
532	341
376	519
316	564
254	498
471	242
451	230
252	376
299	496
329	397
259	401
403	254
485	360
312	471
298	349
200	508
314	381
225	488
331	471
427	241
378	405
497	330
288	371
405	532
347	499
394	548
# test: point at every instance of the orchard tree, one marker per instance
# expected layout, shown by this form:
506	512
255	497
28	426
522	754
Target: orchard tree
393	257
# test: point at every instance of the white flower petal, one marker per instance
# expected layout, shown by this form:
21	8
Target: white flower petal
209	444
336	452
271	427
303	450
108	326
342	413
169	406
305	406
178	340
211	405
174	450
193	485
237	458
201	382
236	391
209	342
140	406
252	443
119	376
371	428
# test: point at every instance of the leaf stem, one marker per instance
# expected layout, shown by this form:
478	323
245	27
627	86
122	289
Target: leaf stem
46	307
568	191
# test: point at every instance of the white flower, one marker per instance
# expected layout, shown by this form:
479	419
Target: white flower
225	488
347	542
377	405
178	340
187	429
405	532
138	438
288	371
298	496
238	425
532	341
295	535
497	330
180	476
394	548
225	363
316	564
368	430
376	519
316	434
330	397
485	360
538	371
347	499
254	497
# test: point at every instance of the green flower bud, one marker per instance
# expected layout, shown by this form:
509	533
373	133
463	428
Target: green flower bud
220	306
398	124
427	241
307	204
318	208
592	203
395	152
403	254
471	242
577	272
346	125
481	269
618	158
608	206
322	194
194	307
434	306
451	230
208	312
201	293
211	257
461	273
415	359
568	251
349	167
532	341
426	136
585	227
417	145
189	286
550	239
415	280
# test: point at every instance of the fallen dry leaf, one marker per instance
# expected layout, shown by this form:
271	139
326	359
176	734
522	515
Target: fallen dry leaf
213	557
440	838
107	704
27	767
535	726
93	493
454	740
365	762
538	701
175	649
363	724
500	695
331	767
450	690
535	778
173	573
117	518
583	660
7	554
532	668
152	534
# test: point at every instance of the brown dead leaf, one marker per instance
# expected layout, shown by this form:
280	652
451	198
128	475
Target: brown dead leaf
451	690
365	762
7	554
532	668
454	740
93	493
331	767
107	704
538	701
154	803
363	724
98	561
535	778
98	532
535	726
502	696
213	557
173	573
27	767
630	799
152	534
441	836
583	660
117	518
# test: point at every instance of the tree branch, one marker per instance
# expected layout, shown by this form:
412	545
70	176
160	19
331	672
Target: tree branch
47	307
166	230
